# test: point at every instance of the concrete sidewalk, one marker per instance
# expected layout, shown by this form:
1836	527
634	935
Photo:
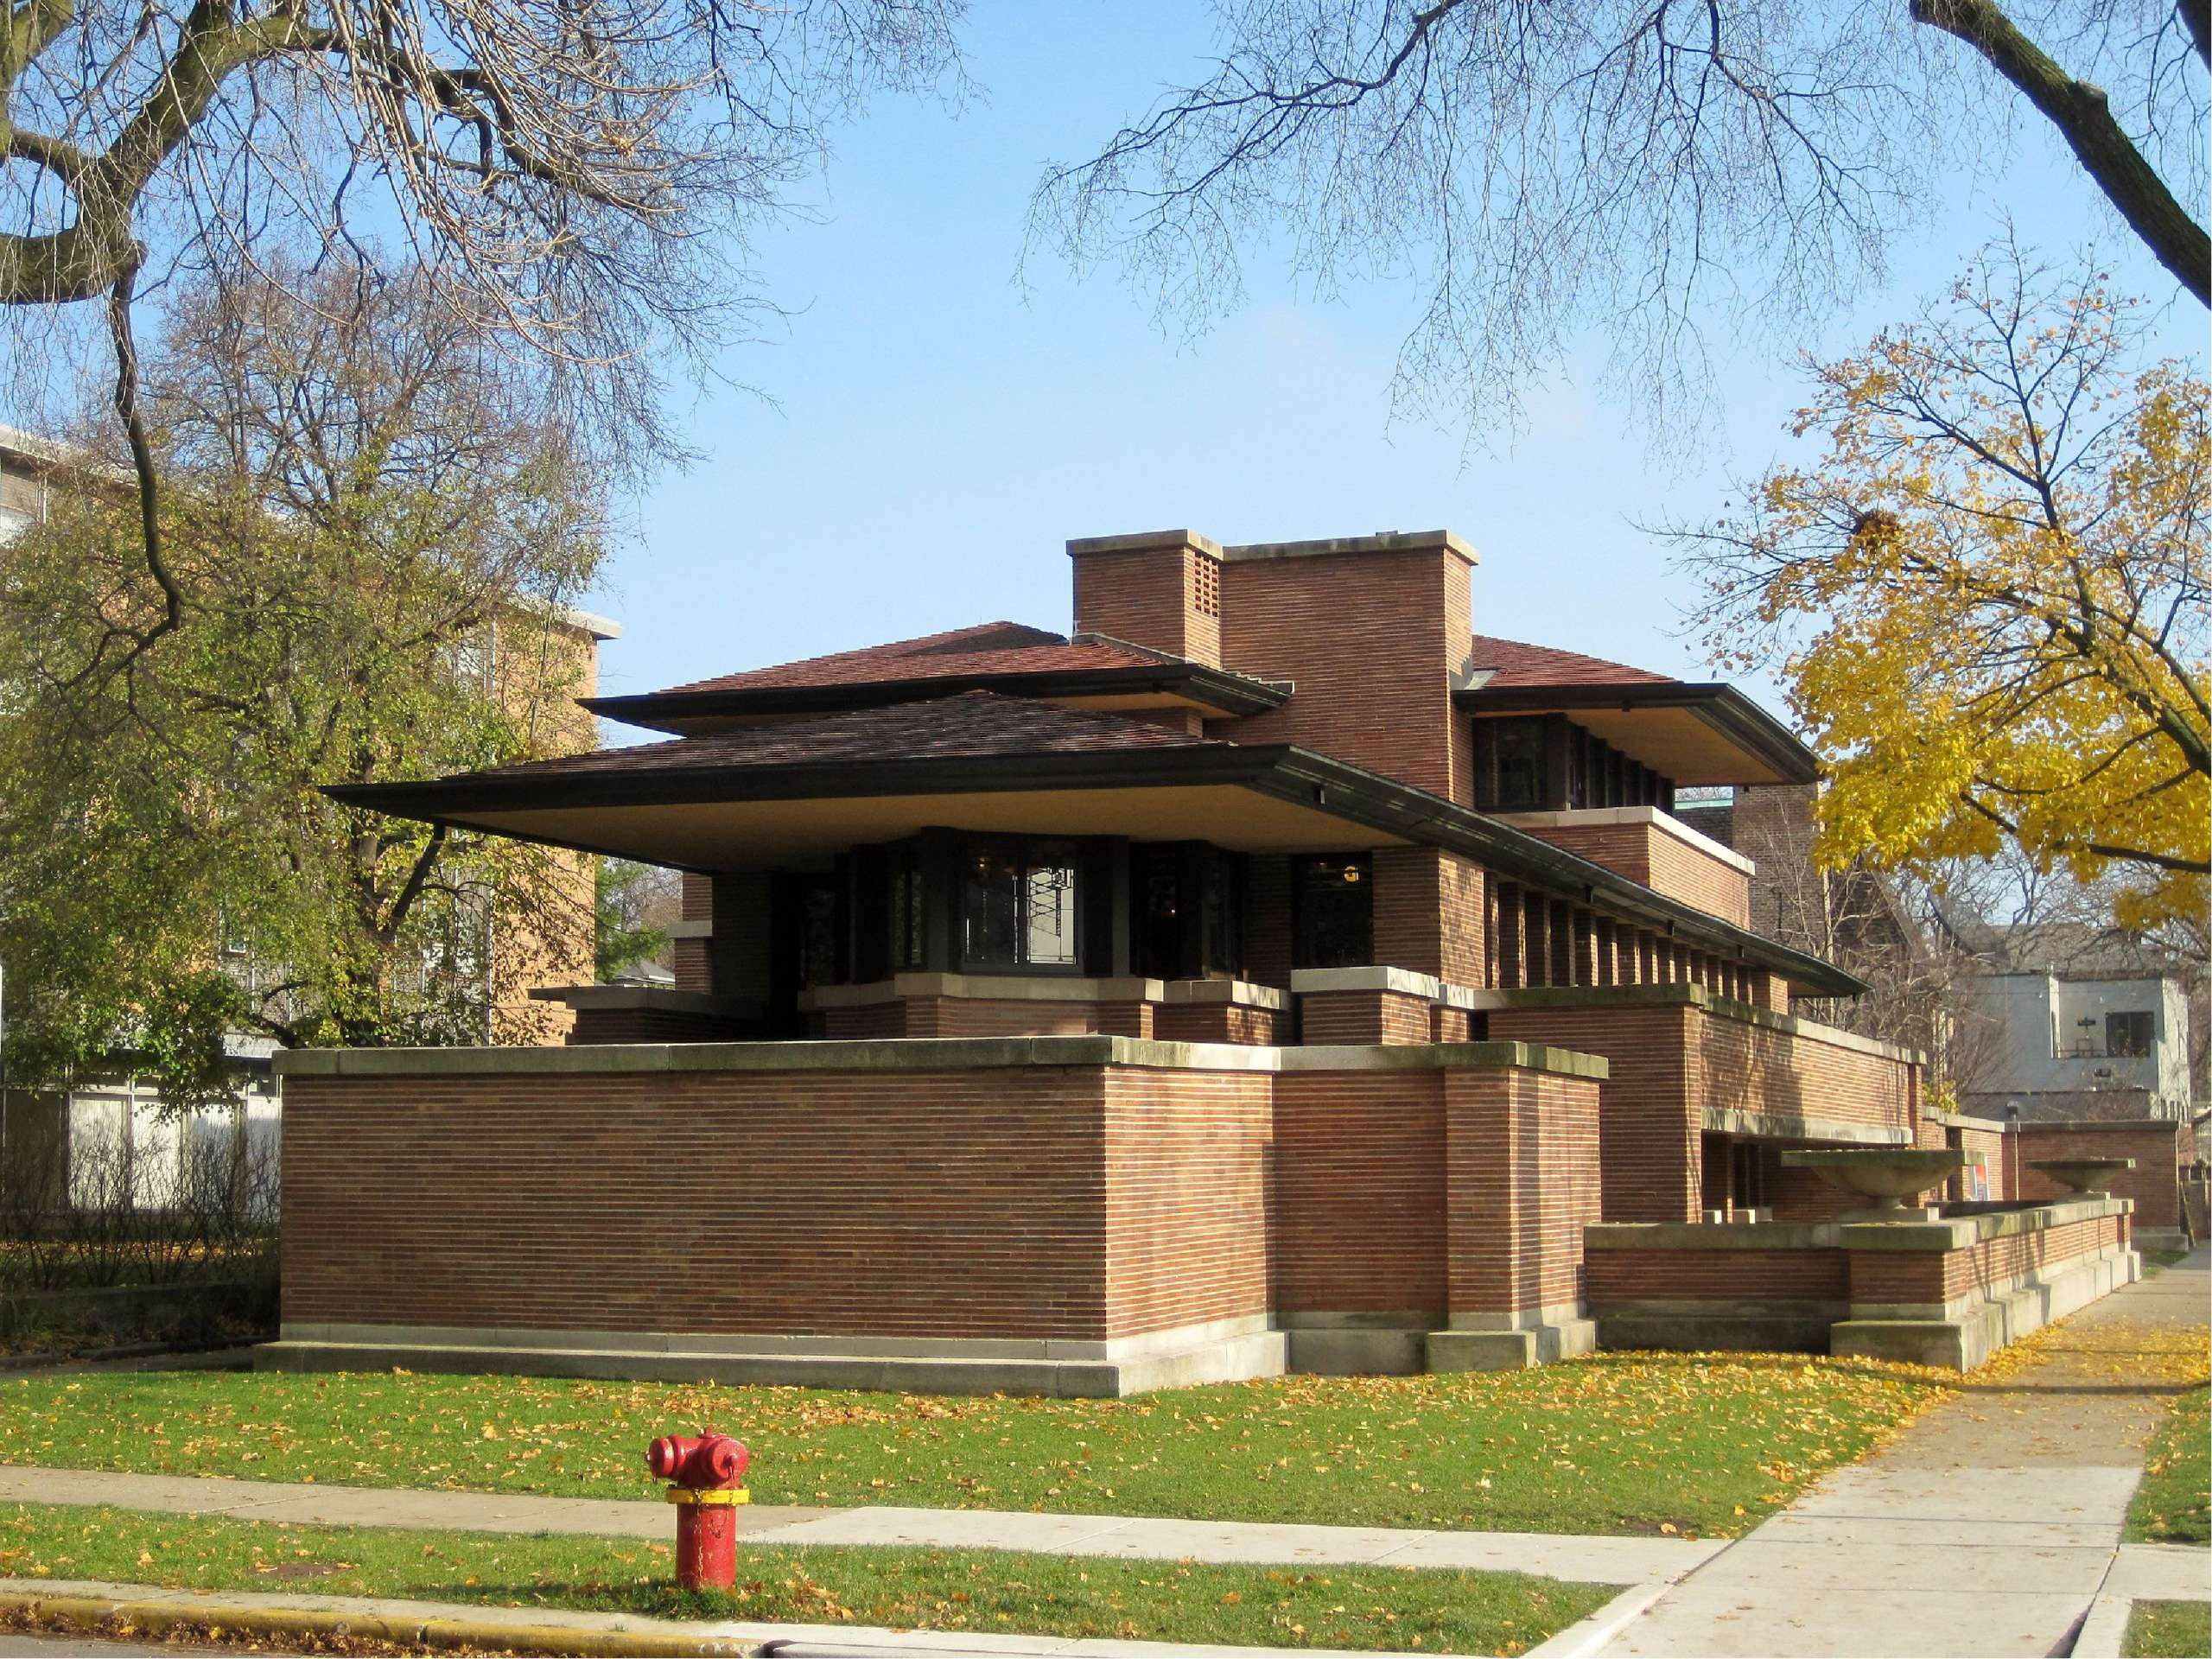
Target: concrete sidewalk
1594	1560
1989	1527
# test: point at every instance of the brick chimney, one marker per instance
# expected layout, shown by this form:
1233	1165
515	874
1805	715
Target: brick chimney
1161	589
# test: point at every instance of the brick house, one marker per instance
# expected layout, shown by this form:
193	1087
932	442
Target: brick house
1271	972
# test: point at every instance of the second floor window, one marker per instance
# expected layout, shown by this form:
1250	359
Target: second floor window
2128	1034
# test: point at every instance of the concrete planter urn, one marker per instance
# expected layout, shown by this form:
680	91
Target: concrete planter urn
2084	1175
1888	1175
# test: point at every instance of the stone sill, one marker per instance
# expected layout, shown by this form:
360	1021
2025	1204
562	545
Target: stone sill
1398	981
930	1054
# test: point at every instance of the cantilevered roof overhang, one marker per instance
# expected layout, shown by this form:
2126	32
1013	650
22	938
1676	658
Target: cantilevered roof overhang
753	800
1190	685
1693	733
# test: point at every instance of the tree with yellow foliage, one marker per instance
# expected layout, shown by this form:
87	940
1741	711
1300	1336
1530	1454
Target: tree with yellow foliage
1987	596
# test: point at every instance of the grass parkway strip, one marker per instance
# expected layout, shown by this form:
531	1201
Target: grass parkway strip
2174	1503
944	1590
1691	1444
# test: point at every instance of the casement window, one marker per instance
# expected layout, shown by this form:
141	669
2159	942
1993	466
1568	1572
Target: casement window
1020	906
1189	902
2130	1035
1512	771
906	946
1547	763
1334	899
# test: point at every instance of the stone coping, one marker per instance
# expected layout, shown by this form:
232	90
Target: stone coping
1790	1126
1399	982
1959	1232
1665	823
666	998
1387	541
1964	1232
1963	1120
1002	987
930	1054
1043	987
1571	996
2097	1125
1710	1235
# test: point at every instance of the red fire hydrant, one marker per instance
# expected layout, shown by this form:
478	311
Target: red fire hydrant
704	1472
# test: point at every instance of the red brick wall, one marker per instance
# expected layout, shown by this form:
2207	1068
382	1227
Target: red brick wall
1367	638
1987	1146
1188	1198
1359	1192
983	1016
2157	1146
1363	1017
1078	1203
1617	1277
1150	596
1746	1067
1931	1276
1521	1163
1665	863
1670	1061
1648	1128
910	1203
1218	1022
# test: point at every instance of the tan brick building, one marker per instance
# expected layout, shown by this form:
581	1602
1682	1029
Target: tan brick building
1271	970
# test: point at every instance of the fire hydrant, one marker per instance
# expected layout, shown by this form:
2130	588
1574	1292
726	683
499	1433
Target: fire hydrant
704	1472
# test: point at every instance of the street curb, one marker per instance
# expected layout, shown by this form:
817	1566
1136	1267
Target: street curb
179	1613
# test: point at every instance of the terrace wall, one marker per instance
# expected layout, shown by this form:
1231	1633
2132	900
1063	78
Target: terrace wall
1042	1202
1683	1062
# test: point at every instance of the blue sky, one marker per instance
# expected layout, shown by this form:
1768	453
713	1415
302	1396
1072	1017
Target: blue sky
938	433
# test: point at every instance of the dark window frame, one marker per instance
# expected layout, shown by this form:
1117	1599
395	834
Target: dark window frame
1307	947
2131	1034
1025	855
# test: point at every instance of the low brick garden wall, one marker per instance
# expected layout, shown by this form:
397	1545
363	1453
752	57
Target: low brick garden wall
1947	1292
1088	1214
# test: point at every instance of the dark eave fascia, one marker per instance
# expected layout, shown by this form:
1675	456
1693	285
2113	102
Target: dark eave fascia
1281	770
669	711
1719	705
698	785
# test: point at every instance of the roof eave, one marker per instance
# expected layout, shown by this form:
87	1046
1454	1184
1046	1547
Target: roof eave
672	711
1282	770
1720	706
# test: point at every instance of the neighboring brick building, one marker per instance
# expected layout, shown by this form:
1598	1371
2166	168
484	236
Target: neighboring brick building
1316	969
111	1141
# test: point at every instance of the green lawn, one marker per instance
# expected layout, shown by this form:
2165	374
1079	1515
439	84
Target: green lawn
2157	1262
1618	1444
950	1590
2174	1503
2169	1629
